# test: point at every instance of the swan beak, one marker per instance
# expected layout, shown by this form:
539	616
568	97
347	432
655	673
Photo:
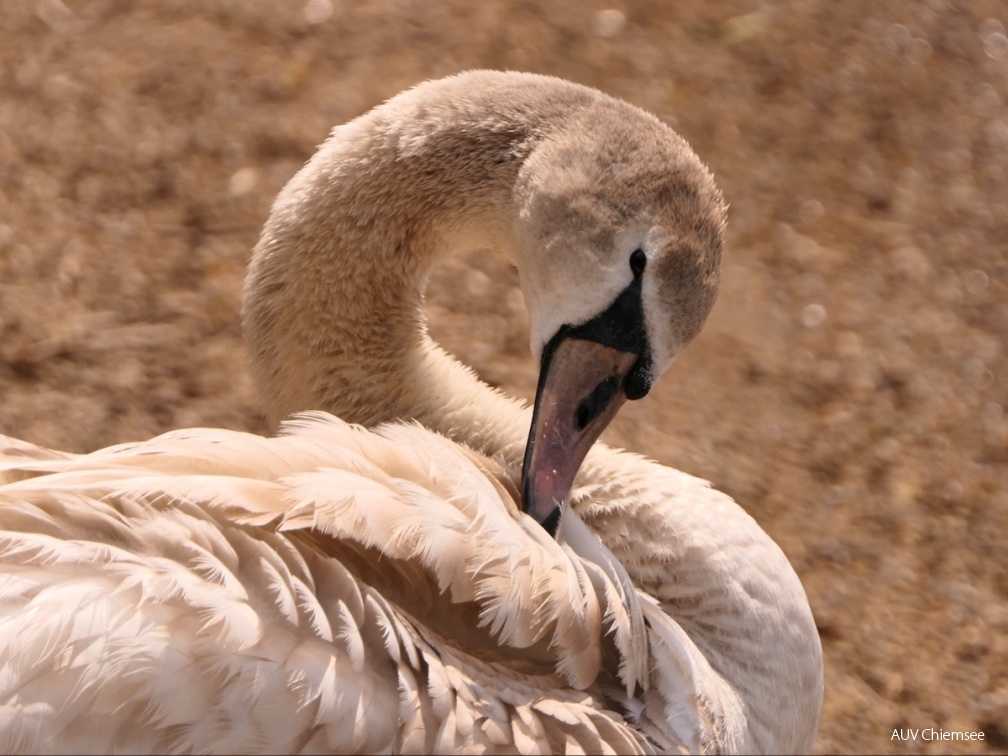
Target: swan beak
580	390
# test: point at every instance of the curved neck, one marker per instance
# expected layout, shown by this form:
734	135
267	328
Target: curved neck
335	292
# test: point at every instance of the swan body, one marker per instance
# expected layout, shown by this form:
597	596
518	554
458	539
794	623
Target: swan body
217	591
380	585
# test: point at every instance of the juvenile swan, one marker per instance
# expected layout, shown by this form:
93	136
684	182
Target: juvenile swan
338	589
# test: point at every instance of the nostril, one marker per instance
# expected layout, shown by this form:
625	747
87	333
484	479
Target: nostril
595	403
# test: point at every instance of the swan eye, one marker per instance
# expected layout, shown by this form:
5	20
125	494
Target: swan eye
637	261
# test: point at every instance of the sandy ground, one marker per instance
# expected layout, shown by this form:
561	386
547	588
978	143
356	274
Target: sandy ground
849	390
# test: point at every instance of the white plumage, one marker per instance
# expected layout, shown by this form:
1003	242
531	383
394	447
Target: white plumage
336	589
217	591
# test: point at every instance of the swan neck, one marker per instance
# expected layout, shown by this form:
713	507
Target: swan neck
334	298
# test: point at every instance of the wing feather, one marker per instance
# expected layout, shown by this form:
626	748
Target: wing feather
211	590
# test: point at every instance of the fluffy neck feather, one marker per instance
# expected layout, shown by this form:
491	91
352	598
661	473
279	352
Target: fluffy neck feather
335	293
334	318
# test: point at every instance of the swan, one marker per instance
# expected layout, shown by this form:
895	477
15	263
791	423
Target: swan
415	561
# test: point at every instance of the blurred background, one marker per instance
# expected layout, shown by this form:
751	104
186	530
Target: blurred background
849	390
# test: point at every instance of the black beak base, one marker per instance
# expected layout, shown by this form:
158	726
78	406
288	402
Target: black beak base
587	372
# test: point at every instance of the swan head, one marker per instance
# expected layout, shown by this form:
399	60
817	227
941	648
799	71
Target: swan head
619	235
